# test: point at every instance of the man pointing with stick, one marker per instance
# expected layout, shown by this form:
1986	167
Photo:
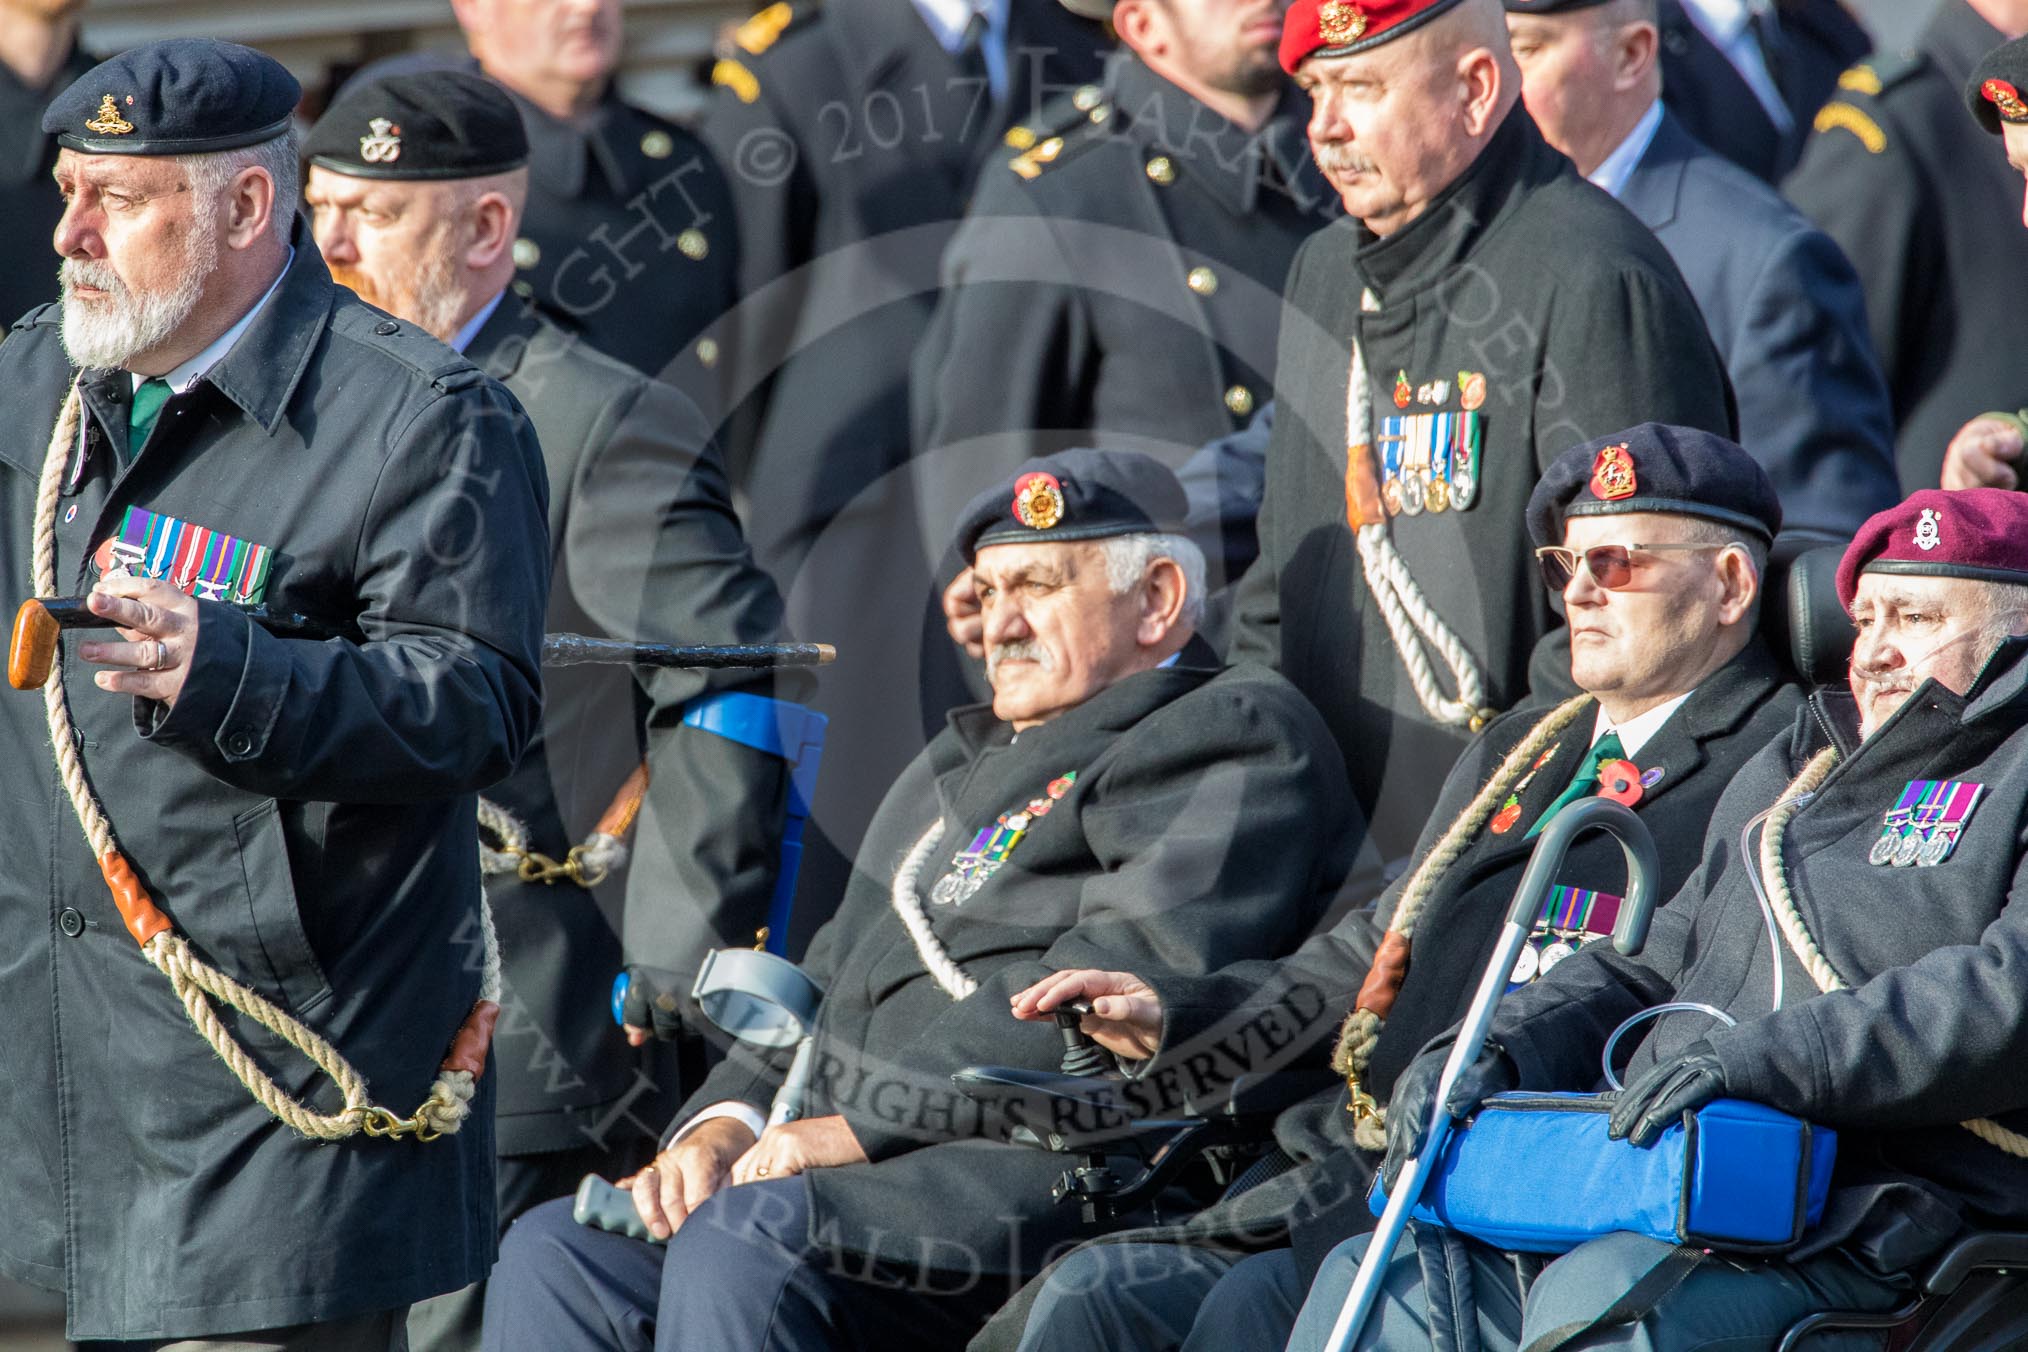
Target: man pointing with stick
269	1124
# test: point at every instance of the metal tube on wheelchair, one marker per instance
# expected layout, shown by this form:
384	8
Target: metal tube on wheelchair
1629	933
787	1105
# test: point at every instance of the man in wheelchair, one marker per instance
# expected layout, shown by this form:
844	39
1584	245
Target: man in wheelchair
1891	1006
1122	795
1656	539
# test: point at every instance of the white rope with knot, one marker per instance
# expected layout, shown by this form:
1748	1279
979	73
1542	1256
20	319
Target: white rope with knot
196	983
1360	1033
1789	919
1411	621
955	980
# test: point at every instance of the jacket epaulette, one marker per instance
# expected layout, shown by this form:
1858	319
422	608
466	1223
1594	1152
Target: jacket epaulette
753	38
1044	139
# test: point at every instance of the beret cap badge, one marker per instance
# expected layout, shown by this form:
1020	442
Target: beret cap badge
1038	501
1612	474
2007	99
382	144
1928	530
109	122
1339	23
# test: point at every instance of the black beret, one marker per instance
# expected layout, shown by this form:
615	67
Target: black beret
181	96
431	125
1994	91
1655	468
1074	495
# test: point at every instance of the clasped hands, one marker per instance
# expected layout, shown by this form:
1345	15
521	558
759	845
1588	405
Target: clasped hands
723	1152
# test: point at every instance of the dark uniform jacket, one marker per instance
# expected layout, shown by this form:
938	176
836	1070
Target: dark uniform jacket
628	238
1810	42
643	545
1206	821
1929	212
1120	277
1574	323
852	140
304	814
1263	1016
1932	1032
30	205
1789	318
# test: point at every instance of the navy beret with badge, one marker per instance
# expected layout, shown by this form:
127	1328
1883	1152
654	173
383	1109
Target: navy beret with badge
446	124
1994	91
1079	494
181	96
1655	467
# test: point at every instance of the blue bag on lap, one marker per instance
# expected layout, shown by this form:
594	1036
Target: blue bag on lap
1534	1172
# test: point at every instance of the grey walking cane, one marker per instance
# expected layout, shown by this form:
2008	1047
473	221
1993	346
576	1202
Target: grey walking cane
1630	932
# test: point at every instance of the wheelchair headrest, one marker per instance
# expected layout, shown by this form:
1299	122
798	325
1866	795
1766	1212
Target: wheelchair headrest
1805	625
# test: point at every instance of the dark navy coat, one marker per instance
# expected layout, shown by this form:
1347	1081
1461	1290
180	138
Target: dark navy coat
1788	316
305	814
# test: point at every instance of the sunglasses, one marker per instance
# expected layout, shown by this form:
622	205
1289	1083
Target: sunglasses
1611	566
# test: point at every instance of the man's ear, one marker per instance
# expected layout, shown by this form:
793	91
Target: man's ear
1140	25
493	224
249	208
1740	586
1163	591
1636	48
1480	78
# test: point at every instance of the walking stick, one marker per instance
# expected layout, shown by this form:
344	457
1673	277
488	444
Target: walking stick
1630	932
40	621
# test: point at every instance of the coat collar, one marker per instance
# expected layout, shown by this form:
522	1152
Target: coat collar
1654	190
1119	706
1230	161
261	371
502	341
1511	164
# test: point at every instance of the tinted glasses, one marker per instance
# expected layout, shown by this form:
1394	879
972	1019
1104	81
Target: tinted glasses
1611	566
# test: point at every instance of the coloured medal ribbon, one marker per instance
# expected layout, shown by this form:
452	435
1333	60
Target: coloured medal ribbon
1571	917
196	560
1925	822
972	866
1430	461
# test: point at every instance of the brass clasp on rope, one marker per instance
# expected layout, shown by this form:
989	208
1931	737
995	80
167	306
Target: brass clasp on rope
383	1122
537	867
1362	1107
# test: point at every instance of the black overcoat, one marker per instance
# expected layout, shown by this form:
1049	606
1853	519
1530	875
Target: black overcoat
1575	323
1206	821
1932	1031
305	815
644	545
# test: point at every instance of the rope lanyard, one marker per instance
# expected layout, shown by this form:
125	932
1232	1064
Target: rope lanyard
588	864
1361	1030
197	983
907	901
1790	919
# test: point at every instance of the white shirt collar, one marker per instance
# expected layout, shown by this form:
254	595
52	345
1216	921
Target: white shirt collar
947	18
184	377
463	338
1636	731
1721	20
1727	23
1615	169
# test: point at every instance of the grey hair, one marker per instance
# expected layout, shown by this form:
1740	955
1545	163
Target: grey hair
280	158
1128	556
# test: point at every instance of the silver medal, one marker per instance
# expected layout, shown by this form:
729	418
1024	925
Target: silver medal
1554	954
1525	966
1907	848
1883	849
1935	850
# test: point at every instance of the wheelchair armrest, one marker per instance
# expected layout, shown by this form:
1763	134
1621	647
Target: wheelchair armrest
1984	1249
1266	1095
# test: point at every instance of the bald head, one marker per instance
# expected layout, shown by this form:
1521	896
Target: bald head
1395	125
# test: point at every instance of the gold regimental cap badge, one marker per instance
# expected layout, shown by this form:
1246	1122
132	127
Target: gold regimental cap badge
1339	23
1038	501
109	122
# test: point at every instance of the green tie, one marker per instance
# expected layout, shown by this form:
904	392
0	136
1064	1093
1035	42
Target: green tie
149	397
1584	784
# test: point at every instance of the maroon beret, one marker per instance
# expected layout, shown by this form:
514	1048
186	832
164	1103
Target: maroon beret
1978	533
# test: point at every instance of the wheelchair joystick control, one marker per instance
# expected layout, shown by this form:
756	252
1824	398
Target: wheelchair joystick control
1081	1056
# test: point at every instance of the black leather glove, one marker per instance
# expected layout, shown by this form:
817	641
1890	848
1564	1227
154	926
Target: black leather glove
1664	1092
1408	1111
654	1001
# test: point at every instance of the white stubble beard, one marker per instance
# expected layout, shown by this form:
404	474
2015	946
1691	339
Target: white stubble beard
111	331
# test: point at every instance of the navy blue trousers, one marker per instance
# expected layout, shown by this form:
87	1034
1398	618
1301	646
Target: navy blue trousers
740	1275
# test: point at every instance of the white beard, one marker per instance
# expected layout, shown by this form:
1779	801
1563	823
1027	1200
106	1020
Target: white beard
111	331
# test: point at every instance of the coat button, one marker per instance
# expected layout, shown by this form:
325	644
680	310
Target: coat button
70	921
527	253
692	244
387	328
1161	170
1240	400
239	744
1203	281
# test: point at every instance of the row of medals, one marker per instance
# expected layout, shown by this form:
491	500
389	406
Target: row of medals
1535	962
1413	490
1913	846
970	868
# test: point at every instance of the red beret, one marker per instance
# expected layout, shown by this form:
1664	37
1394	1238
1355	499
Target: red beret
1342	27
1978	533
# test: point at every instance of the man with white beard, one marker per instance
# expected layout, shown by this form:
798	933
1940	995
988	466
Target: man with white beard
320	535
